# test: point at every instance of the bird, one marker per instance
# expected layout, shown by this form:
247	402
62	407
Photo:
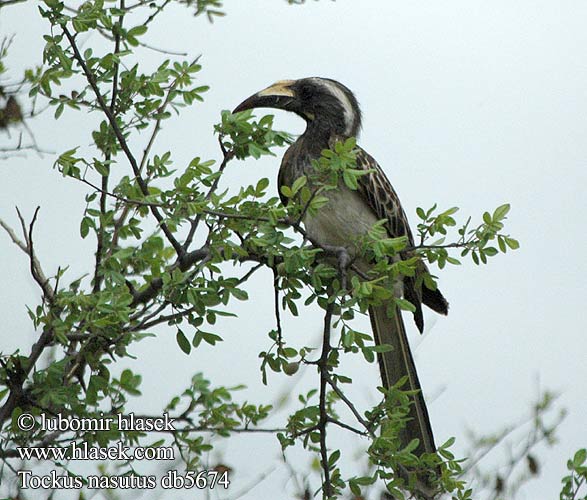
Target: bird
332	114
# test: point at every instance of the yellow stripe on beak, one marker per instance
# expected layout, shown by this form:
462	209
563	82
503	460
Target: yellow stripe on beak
281	88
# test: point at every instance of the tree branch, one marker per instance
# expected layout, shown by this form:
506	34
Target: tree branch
5	3
226	157
35	265
156	284
16	389
121	140
324	418
108	156
350	405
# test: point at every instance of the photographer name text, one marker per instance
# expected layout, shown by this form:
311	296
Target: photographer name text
129	422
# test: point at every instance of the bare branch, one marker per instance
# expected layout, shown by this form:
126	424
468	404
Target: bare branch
35	265
13	236
350	405
5	3
347	427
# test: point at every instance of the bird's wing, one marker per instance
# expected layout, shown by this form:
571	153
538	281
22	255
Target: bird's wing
381	197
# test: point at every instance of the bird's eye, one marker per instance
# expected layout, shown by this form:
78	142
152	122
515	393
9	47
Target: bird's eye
305	91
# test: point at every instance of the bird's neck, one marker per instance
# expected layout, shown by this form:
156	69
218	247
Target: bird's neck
322	133
297	161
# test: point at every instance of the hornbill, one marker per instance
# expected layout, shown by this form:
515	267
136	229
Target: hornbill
332	114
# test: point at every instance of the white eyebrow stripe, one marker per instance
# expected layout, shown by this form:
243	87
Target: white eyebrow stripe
349	113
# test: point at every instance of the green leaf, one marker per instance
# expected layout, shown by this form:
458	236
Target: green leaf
137	30
501	211
512	243
382	348
501	243
59	110
183	342
579	458
350	180
333	458
210	338
298	184
405	304
239	294
448	443
355	490
85	226
261	186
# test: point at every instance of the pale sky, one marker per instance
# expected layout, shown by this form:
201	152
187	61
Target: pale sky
465	103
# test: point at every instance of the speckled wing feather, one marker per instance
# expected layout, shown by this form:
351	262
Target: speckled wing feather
382	198
384	202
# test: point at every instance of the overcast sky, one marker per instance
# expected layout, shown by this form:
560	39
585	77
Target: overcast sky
466	103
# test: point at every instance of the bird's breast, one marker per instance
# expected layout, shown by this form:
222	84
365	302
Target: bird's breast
344	218
342	221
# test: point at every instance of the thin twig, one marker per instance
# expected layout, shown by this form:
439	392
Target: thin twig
156	284
35	265
158	10
5	3
117	28
161	111
16	392
13	236
276	307
227	155
46	337
145	325
350	405
121	140
347	427
118	197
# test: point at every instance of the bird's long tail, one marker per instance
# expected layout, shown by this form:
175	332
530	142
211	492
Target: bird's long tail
397	363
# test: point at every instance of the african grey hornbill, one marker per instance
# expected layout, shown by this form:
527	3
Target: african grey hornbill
332	114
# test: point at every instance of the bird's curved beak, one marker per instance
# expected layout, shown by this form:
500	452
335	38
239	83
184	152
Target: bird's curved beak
279	95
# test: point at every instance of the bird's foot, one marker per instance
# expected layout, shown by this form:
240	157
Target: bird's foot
343	261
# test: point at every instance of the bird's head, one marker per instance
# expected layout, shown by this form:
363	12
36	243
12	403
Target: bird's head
322	102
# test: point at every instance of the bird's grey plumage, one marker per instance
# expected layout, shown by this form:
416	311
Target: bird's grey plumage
332	114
